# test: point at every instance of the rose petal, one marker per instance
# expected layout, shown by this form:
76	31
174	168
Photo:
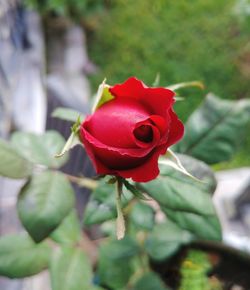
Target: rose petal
113	123
131	88
99	166
132	152
149	170
160	122
107	161
156	100
155	135
176	129
106	158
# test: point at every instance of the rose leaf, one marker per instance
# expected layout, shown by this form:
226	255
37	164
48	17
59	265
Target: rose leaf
13	164
21	257
44	201
39	149
67	114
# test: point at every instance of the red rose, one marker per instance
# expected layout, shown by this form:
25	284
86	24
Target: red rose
126	135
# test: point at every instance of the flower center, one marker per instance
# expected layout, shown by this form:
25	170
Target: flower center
144	133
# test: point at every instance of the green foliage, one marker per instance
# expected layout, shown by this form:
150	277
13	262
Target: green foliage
40	149
12	164
201	171
70	269
67	114
185	201
44	202
165	240
205	227
150	281
69	231
142	216
115	262
215	130
180	193
181	41
101	206
21	257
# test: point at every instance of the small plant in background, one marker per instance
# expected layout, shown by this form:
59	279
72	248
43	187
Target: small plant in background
194	271
131	126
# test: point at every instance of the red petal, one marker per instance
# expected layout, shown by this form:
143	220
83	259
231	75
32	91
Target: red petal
176	130
114	122
131	88
155	131
160	123
157	100
99	166
149	170
106	159
131	152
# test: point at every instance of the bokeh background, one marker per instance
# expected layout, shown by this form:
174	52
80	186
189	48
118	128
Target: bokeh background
205	40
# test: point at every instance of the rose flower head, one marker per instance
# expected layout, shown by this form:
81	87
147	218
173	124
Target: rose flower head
126	135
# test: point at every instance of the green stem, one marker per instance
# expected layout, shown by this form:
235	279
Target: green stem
120	221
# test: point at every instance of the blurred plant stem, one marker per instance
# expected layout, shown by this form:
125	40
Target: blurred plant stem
83	181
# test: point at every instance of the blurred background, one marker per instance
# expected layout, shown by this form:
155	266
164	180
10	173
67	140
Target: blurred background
55	53
206	41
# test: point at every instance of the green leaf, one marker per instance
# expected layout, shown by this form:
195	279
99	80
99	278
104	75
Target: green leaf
165	240
21	257
12	164
102	204
171	159
40	149
114	267
103	96
44	202
67	114
185	201
201	171
70	269
215	130
178	192
203	227
69	231
150	281
123	249
142	216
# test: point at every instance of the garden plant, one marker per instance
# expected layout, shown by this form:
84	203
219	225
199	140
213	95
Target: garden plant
151	196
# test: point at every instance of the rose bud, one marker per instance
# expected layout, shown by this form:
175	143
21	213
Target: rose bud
126	135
